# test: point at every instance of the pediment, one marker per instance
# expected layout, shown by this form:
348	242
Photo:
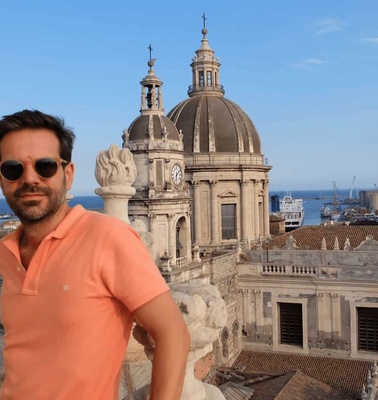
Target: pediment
228	194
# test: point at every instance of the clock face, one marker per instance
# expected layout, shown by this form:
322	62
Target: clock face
176	174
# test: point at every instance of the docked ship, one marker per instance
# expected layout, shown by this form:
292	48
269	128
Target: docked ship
6	216
325	212
292	210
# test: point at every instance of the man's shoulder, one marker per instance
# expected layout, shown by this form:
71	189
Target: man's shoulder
97	217
103	222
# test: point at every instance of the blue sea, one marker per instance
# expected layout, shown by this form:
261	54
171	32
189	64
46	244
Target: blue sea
88	202
313	202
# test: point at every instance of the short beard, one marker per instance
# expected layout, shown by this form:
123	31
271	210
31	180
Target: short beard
29	212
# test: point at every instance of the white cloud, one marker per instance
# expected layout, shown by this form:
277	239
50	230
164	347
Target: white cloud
309	63
328	25
371	40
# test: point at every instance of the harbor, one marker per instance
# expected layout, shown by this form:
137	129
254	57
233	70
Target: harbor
315	200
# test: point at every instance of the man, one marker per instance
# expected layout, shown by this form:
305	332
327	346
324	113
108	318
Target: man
74	281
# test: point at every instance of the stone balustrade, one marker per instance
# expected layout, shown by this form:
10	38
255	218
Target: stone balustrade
279	269
181	261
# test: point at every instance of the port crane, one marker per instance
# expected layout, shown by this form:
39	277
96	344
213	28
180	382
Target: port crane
352	187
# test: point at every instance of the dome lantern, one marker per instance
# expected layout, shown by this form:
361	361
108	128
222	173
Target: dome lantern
151	99
205	69
152	129
211	123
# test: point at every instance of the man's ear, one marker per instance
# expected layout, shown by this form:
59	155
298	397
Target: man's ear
69	171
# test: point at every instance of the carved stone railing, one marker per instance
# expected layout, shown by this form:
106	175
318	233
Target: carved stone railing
273	269
181	261
279	269
304	270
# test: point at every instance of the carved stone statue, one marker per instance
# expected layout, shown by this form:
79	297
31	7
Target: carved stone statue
116	172
115	168
369	244
291	243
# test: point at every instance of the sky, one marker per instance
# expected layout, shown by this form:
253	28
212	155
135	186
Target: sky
304	71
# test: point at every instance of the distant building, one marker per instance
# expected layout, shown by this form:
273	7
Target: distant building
8	226
369	199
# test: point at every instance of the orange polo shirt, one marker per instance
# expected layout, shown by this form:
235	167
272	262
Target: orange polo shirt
68	317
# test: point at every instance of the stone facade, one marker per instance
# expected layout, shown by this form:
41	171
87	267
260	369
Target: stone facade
329	285
203	157
224	163
161	204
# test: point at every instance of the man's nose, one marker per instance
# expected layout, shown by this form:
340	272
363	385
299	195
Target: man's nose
30	175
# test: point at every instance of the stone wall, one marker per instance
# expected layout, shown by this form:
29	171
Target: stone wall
220	269
223	274
329	285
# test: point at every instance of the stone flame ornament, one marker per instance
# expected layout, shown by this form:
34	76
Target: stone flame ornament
115	168
116	172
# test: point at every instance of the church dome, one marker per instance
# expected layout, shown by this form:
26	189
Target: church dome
211	123
208	121
156	127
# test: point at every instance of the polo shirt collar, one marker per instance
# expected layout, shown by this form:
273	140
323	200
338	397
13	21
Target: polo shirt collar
70	220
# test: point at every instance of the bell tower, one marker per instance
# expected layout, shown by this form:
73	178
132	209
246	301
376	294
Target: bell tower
161	205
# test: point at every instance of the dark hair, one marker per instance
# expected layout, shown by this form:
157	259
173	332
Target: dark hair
34	119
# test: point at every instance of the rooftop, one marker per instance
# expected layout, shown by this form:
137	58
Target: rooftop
311	237
345	375
295	386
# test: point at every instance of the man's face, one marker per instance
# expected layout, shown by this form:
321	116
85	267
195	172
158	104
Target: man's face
33	198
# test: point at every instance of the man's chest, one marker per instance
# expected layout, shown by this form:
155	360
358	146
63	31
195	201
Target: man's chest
60	293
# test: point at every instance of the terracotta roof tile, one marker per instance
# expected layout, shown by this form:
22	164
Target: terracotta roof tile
310	237
345	375
295	386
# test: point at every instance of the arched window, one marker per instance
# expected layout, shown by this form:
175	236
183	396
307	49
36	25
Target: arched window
201	79
209	78
225	335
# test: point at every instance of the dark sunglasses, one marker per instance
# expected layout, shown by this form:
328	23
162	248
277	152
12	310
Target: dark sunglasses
46	167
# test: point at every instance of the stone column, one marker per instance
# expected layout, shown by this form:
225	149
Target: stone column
116	201
266	209
245	210
320	312
336	314
214	214
143	98
151	218
160	105
188	235
171	239
256	215
258	309
246	308
197	211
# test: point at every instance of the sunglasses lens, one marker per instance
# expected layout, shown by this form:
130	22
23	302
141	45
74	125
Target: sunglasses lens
46	167
12	170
